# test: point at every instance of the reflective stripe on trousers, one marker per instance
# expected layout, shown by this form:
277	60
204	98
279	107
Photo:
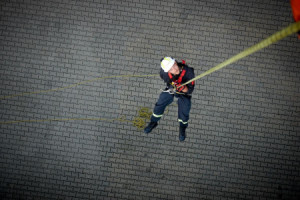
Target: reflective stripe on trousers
165	99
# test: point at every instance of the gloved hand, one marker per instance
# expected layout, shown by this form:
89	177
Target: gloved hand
181	89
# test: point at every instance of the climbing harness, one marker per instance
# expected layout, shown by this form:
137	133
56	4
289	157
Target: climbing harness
179	80
169	90
172	91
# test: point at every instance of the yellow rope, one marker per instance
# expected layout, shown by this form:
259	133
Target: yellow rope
144	113
293	28
139	122
73	85
65	119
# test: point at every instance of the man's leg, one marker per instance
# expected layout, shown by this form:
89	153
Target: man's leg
164	100
184	107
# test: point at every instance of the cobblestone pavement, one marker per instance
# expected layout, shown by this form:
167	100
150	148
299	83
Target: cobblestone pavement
243	136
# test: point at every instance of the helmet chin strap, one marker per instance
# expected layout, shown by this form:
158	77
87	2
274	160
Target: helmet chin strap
180	70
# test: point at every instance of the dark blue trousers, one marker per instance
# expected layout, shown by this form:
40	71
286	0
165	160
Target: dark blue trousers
165	99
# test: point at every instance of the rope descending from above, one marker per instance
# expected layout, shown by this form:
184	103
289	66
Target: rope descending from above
293	28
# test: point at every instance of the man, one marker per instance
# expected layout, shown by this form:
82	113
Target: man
174	74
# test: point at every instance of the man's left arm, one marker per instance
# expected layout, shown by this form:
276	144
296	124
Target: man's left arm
190	86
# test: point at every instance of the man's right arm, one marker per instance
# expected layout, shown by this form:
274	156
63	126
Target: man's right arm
164	76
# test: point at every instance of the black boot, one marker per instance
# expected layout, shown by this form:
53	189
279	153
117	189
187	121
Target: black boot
182	133
150	127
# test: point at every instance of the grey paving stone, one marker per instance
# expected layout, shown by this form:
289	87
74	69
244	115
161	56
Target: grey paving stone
242	141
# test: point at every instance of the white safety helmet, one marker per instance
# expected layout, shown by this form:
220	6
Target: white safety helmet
167	63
